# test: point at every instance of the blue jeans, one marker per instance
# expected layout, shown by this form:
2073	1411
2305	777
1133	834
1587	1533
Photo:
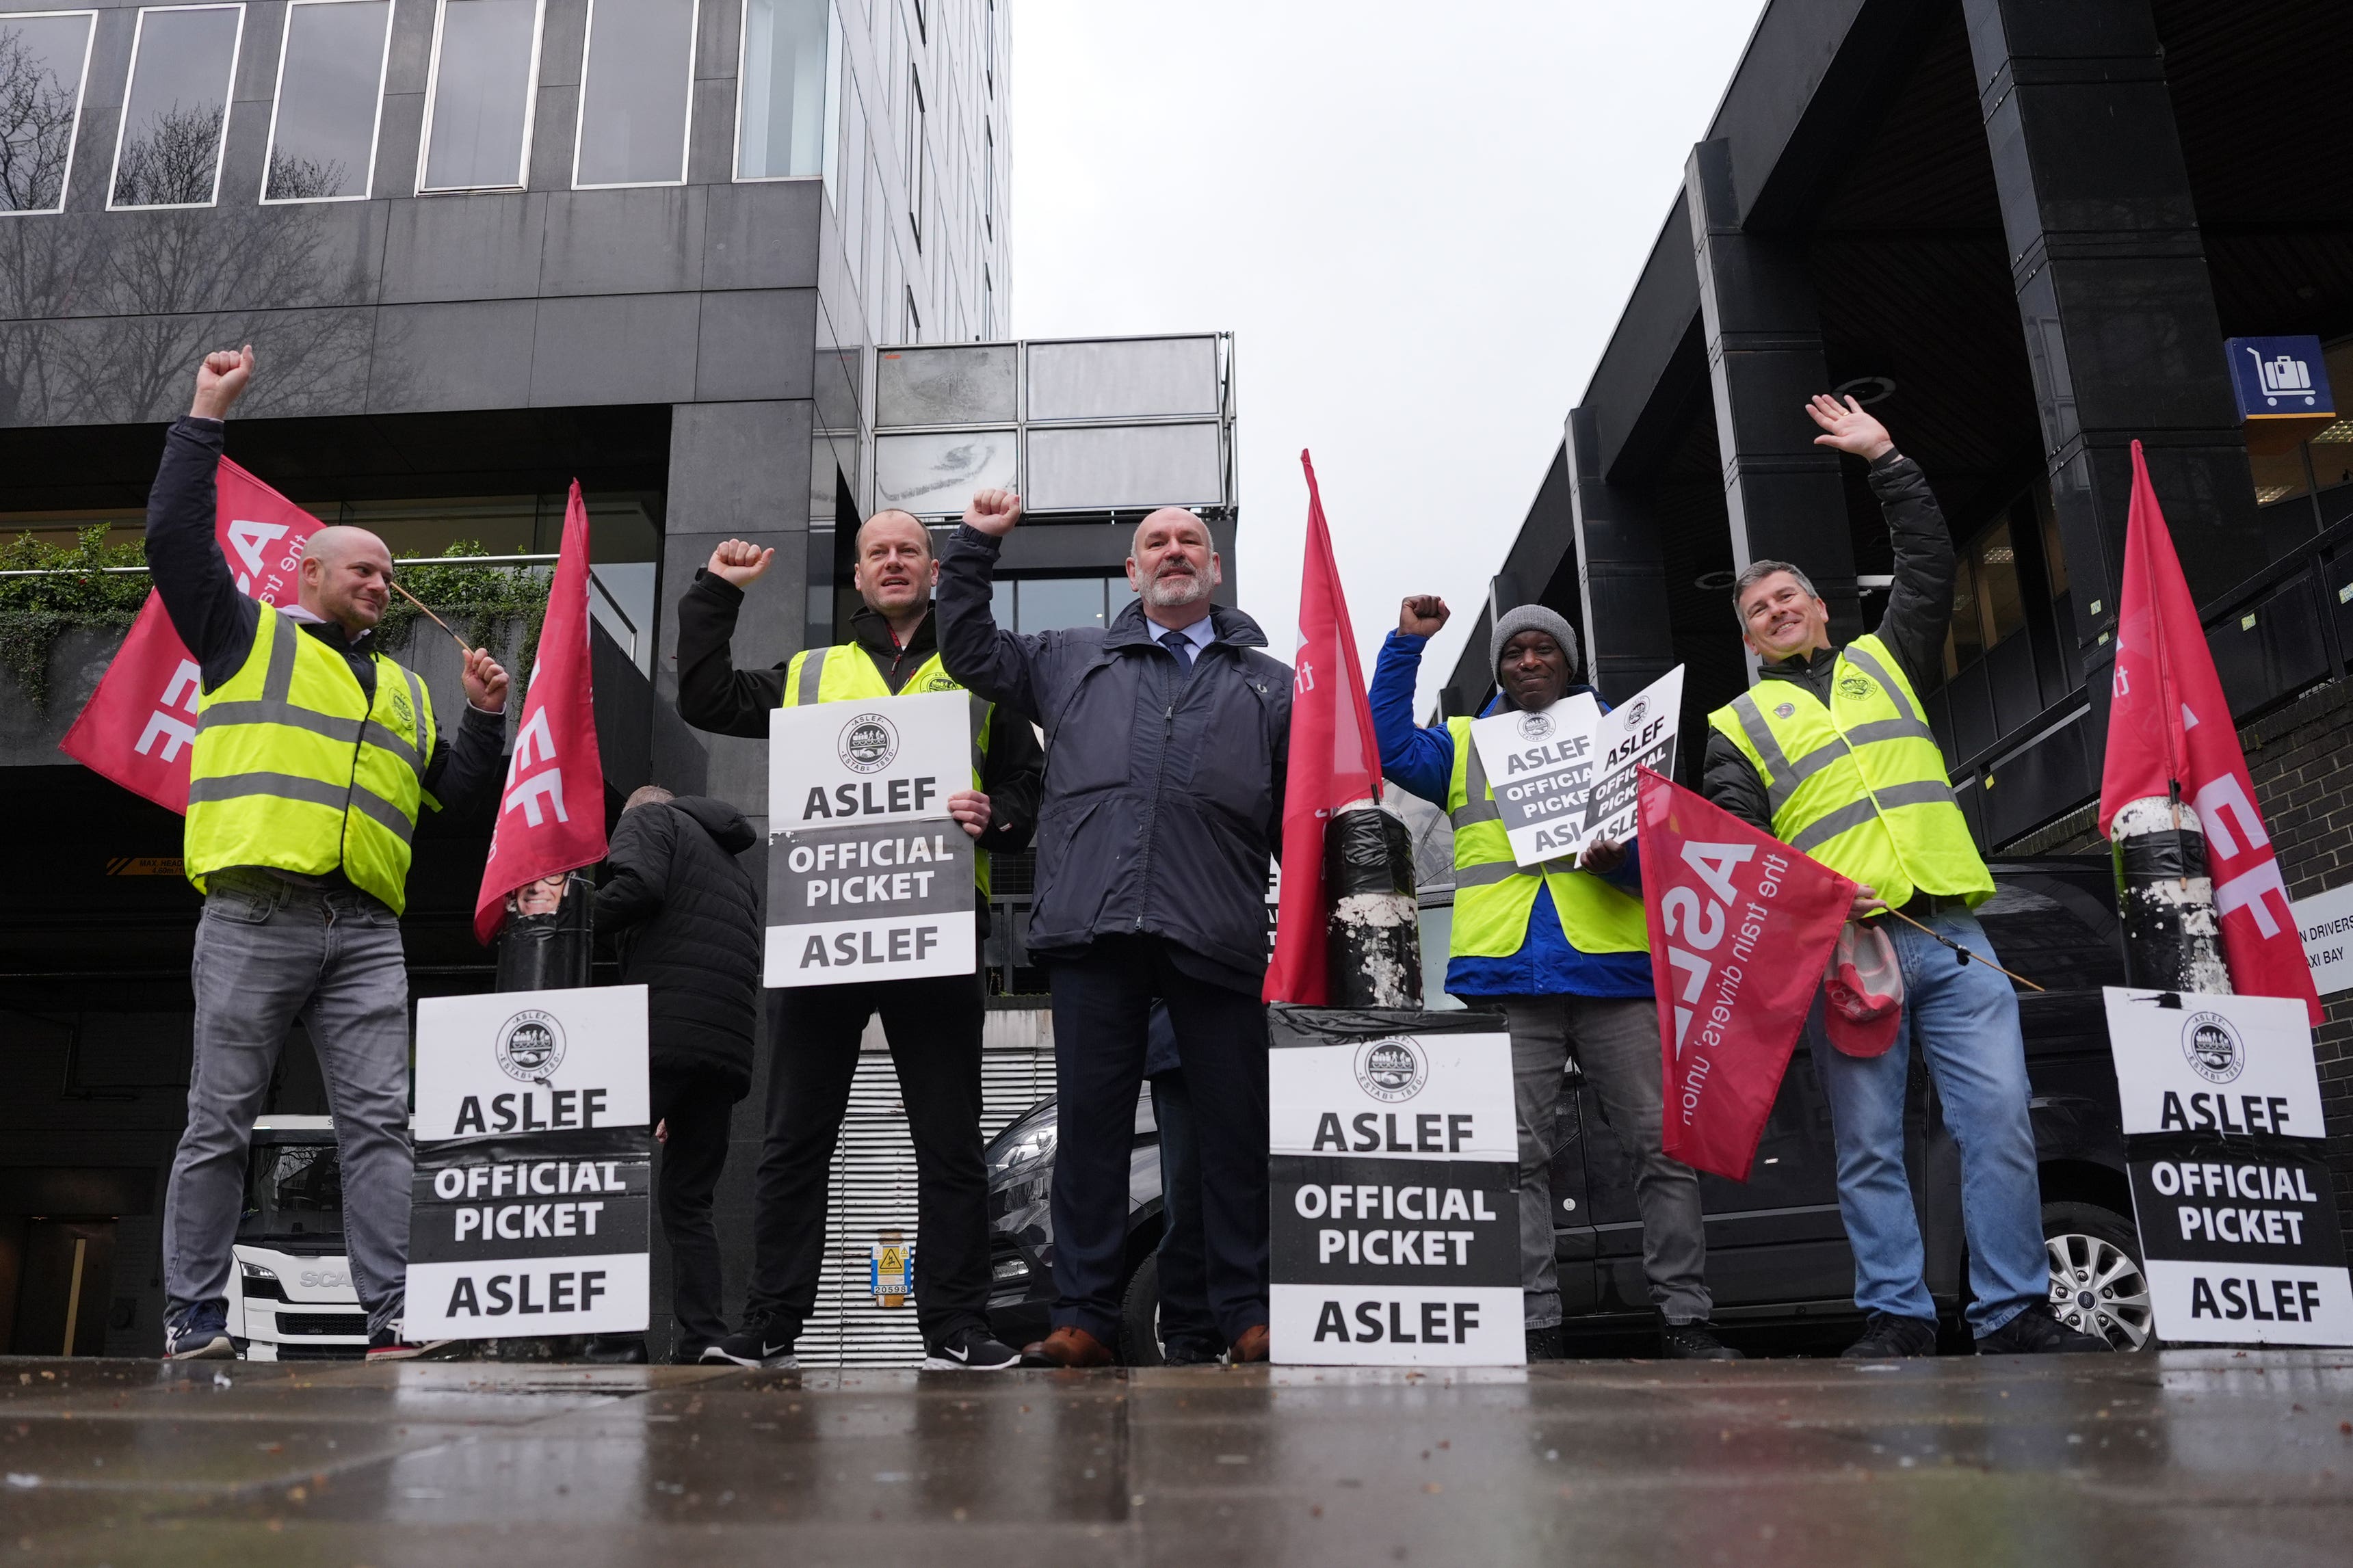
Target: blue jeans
1964	1018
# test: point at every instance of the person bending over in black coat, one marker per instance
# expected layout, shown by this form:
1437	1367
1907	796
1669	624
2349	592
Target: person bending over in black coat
687	917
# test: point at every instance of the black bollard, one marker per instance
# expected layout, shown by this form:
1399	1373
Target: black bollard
2172	935
1373	940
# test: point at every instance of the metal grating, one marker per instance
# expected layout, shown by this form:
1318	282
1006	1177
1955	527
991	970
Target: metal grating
873	1185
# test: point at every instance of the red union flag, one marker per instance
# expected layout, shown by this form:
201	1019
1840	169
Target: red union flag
552	809
1335	762
2170	728
1741	930
138	726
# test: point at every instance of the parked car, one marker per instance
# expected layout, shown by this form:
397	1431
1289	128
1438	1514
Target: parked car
1779	1262
289	1293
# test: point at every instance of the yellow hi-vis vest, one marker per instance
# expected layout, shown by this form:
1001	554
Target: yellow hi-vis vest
1494	895
846	673
296	769
1860	785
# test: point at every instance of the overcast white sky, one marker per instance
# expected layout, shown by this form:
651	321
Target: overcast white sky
1419	222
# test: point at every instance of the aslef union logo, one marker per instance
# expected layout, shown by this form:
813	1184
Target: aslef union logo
2213	1048
1535	726
1636	711
531	1046
869	742
1391	1070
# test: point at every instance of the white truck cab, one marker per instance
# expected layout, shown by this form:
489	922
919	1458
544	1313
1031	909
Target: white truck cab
290	1294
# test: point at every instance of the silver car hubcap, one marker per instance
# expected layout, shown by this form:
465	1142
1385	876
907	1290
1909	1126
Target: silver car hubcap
2097	1289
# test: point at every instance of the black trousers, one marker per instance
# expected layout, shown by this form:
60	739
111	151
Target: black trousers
698	1105
1185	1319
1102	1003
933	1027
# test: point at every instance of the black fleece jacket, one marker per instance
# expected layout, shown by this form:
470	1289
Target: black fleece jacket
714	695
686	918
1919	609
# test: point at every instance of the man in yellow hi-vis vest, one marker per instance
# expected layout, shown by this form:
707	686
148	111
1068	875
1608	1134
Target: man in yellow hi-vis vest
1832	753
312	756
933	1025
1565	955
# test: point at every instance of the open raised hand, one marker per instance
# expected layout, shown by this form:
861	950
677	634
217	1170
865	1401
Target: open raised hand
1847	428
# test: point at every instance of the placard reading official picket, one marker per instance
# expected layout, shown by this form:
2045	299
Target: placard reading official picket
1636	734
1541	767
869	877
530	1210
1394	1179
2224	1065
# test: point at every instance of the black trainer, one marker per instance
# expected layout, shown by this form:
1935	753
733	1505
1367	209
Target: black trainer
972	1349
767	1342
2035	1331
1546	1343
1887	1336
1191	1353
200	1334
1695	1342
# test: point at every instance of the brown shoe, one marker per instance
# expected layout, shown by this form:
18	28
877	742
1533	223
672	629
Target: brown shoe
1252	1345
1071	1346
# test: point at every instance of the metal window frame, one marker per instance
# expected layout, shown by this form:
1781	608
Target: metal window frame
1022	423
81	92
278	91
229	107
686	130
432	98
826	154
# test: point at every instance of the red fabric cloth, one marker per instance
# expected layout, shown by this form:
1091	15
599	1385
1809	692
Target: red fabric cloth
1741	930
138	727
1334	762
2169	727
552	810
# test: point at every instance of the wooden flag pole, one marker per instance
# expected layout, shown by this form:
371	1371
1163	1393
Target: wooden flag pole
463	646
1966	956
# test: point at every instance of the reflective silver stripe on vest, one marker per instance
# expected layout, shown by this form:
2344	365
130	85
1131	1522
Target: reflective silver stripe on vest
1477	805
1822	829
1890	729
344	732
278	682
311	792
812	672
1780	780
411	752
1487	873
1919	792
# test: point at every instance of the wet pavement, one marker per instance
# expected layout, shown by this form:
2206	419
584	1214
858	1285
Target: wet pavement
2188	1457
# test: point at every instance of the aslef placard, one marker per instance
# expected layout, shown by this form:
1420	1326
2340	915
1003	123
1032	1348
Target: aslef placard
2224	1141
869	877
1541	768
1394	1180
1638	733
530	1210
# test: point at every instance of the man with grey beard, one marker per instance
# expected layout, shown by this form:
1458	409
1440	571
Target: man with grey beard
1167	737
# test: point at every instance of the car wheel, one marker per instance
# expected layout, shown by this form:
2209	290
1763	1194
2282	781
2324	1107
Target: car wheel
2097	1284
1139	1316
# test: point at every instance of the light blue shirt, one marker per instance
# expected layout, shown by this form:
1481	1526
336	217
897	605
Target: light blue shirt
1199	634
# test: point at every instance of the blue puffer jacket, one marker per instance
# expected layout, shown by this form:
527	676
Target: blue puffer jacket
1163	796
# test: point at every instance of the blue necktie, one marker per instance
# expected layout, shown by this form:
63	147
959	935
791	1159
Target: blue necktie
1181	645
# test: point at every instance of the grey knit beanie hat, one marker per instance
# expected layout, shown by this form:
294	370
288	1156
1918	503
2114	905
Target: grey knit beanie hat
1535	619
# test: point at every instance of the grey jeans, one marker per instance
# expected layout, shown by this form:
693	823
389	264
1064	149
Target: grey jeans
1617	1046
270	951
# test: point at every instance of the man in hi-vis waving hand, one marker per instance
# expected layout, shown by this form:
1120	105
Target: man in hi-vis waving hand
933	1025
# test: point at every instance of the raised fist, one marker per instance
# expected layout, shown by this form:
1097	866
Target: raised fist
1422	614
993	512
220	380
739	562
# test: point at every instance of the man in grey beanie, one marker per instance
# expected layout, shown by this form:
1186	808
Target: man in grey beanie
1562	952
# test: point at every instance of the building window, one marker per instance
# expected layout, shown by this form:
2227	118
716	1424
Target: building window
322	126
2322	462
167	151
44	61
1986	604
922	23
989	49
915	320
918	154
1051	604
783	100
478	105
988	301
634	94
988	179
